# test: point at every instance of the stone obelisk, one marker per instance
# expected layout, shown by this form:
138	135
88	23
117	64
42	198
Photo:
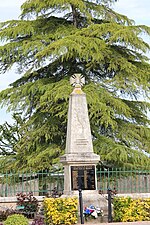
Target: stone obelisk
79	159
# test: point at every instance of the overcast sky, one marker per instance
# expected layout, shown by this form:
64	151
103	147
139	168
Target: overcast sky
138	10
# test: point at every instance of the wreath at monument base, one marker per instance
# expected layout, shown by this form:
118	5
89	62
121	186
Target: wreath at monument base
92	212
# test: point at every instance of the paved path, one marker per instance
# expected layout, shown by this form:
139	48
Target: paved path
129	223
122	223
117	223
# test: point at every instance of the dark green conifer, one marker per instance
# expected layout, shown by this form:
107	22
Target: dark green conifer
53	40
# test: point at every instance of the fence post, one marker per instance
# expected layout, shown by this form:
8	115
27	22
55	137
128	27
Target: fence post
81	206
109	205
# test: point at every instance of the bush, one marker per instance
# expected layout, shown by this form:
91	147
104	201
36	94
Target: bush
5	213
61	210
16	219
129	210
28	203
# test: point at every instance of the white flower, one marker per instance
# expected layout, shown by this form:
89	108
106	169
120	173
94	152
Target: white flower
98	210
94	213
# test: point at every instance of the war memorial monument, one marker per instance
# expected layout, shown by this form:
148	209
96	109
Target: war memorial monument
79	159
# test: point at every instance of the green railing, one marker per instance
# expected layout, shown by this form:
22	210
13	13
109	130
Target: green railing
45	182
40	183
123	181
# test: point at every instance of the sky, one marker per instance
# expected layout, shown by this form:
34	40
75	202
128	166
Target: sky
138	10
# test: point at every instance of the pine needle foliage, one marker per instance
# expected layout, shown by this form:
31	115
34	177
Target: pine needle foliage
52	40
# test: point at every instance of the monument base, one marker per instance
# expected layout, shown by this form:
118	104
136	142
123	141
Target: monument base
92	197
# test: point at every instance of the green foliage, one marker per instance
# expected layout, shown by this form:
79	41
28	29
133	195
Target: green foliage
4	213
9	135
61	210
28	202
16	219
129	210
52	41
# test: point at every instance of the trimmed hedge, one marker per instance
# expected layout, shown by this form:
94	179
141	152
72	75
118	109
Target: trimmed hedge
61	210
129	210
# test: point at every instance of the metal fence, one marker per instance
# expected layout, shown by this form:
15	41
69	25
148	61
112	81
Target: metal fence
47	182
40	183
124	181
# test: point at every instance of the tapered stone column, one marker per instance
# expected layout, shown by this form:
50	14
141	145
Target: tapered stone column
79	159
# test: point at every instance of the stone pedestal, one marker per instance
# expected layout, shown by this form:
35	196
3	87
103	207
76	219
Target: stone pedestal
80	163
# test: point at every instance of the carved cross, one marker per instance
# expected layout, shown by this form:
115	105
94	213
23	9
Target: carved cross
77	80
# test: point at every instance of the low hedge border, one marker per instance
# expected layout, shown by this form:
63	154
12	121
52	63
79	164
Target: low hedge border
127	209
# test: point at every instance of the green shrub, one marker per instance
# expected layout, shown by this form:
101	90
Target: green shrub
129	210
61	210
5	213
16	219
